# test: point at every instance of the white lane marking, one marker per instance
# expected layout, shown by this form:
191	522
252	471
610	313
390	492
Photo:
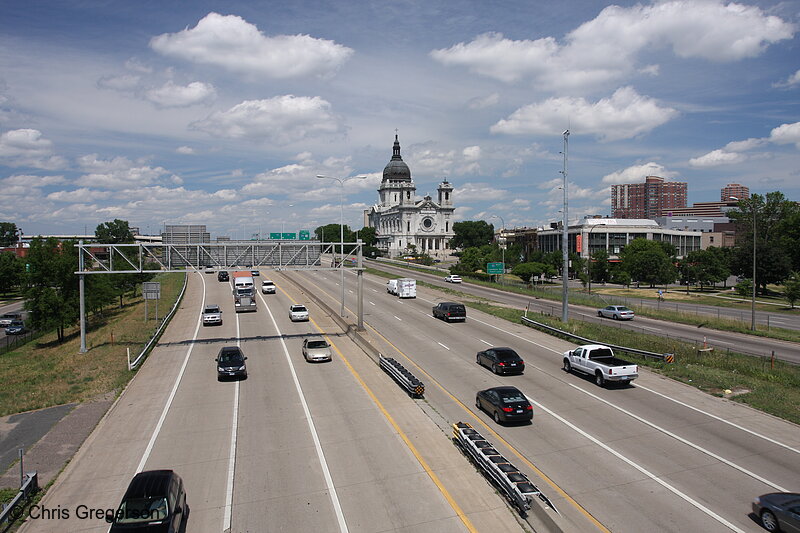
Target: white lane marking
337	507
641	469
484	342
228	512
685	441
372	303
715	417
398	318
171	397
373	290
350	291
442	345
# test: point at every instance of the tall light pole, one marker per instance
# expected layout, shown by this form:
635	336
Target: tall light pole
565	240
503	248
753	298
341	228
589	253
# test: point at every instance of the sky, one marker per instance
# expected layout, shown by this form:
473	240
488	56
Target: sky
224	113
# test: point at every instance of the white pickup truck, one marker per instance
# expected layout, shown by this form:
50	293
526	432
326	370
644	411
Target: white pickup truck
599	361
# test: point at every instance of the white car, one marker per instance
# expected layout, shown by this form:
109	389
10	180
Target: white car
267	287
209	269
298	313
212	315
316	349
452	278
617	312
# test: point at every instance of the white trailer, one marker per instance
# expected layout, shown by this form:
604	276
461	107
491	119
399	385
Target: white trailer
407	288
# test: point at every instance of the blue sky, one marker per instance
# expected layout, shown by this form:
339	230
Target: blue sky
223	113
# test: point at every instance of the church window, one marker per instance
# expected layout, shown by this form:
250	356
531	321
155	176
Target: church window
447	226
395	197
408	194
408	226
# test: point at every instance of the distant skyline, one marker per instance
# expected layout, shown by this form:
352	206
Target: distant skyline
223	113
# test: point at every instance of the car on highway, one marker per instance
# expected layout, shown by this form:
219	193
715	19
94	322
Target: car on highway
778	511
505	404
268	287
209	270
255	273
316	349
298	313
155	501
231	363
8	318
222	275
452	278
449	311
212	315
17	327
501	360
617	312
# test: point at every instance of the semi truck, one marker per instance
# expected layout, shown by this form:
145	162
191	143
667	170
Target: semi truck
244	292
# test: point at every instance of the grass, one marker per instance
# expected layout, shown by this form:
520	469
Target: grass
44	373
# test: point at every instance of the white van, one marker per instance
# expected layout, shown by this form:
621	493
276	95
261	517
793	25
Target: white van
407	288
391	286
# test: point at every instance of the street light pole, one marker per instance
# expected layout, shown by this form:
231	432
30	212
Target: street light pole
565	241
503	248
589	253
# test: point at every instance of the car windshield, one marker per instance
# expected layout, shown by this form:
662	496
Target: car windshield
212	309
230	358
512	397
317	344
138	510
299	308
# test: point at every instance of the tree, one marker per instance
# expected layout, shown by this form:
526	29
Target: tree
649	261
114	232
471	233
711	265
11	269
9	234
367	235
791	288
51	296
744	287
599	266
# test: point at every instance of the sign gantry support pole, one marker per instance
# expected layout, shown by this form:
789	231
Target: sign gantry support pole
82	299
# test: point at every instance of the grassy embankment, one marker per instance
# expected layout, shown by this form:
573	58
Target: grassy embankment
752	381
44	373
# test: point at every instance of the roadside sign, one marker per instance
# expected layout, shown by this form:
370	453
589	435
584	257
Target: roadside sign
151	290
305	235
289	236
275	236
494	268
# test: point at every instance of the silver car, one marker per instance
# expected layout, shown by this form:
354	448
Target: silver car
298	313
316	349
617	312
212	315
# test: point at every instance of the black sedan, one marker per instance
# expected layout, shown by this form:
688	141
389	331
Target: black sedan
501	361
505	404
155	501
778	511
231	363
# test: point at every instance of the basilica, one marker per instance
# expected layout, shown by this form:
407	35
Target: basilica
405	224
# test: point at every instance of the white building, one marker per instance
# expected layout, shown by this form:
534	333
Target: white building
404	222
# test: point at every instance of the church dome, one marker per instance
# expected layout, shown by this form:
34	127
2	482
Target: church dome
396	169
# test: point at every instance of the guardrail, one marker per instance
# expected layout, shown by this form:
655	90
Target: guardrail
666	357
160	329
16	507
403	377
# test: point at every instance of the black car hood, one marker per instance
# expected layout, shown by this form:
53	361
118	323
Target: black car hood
141	528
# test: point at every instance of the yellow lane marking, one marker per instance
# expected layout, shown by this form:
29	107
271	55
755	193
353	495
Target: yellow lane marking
516	452
422	462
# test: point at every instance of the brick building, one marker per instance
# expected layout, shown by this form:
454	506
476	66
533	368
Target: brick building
648	199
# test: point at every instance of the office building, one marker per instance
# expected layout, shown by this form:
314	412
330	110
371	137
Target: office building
647	200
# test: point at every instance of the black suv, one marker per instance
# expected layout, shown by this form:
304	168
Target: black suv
155	501
231	363
222	276
501	361
450	311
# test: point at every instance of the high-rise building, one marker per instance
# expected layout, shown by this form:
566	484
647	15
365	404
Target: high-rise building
648	199
740	192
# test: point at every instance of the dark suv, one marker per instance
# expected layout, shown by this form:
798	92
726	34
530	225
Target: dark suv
450	311
501	361
231	363
155	501
222	276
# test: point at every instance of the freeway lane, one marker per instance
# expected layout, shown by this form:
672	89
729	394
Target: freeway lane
295	447
635	459
721	340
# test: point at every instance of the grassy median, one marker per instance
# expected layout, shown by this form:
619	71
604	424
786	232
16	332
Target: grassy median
44	373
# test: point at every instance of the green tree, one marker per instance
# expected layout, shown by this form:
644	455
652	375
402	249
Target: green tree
649	261
599	266
367	235
471	233
115	232
744	287
51	295
711	264
791	288
620	276
9	234
11	269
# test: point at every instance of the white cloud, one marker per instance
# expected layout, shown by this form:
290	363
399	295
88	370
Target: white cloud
29	181
624	115
171	95
716	158
185	150
786	134
79	195
742	146
484	102
122	83
478	191
27	148
116	173
637	173
231	42
605	49
280	120
791	81
471	153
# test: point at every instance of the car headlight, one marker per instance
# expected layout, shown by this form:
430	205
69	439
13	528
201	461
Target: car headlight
220	369
241	368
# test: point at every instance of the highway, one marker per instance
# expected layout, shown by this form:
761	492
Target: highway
656	456
295	447
720	340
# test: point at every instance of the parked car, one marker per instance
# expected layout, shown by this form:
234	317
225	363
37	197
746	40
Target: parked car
17	327
449	311
155	501
501	361
778	511
267	287
316	349
452	278
212	315
298	313
222	275
505	404
255	273
8	318
617	312
231	363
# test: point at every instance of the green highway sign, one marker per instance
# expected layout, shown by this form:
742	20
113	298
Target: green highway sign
305	235
289	236
275	236
494	268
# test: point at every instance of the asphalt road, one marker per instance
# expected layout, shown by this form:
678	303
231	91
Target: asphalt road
295	447
655	456
720	340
